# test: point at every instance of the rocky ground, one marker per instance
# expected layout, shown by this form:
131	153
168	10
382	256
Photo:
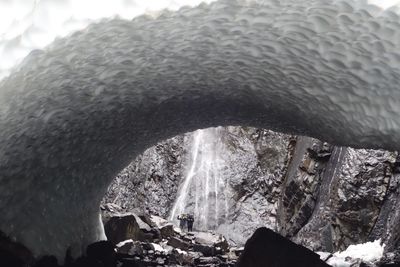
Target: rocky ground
153	241
142	240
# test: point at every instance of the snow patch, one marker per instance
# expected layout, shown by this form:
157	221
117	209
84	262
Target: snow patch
157	247
181	251
367	252
122	243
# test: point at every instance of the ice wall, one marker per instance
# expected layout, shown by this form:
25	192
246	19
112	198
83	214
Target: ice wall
74	114
26	25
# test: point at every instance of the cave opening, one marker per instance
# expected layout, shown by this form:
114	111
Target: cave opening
309	191
76	112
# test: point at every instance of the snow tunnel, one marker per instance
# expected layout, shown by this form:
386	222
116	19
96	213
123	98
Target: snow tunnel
75	113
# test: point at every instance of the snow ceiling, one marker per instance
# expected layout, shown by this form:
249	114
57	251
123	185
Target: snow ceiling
76	112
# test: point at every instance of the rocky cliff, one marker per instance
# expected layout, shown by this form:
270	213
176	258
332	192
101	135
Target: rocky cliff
150	183
321	196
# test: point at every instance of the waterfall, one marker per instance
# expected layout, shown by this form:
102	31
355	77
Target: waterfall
203	191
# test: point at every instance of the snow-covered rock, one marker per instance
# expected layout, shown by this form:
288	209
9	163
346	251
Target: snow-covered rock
369	252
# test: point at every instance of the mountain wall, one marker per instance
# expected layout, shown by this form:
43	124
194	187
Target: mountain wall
319	195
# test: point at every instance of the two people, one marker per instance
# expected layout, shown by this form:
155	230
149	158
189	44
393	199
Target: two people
186	220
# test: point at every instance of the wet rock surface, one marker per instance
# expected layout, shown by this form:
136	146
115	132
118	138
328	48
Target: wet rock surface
172	248
267	248
150	183
321	196
254	165
178	249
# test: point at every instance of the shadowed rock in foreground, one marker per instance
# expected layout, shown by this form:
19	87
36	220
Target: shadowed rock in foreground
269	249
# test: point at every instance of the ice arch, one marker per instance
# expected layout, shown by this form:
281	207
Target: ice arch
73	115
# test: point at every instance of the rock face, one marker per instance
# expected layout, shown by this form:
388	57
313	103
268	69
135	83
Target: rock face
162	167
319	195
347	196
267	248
253	167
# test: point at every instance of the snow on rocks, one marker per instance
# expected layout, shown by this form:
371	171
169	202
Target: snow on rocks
367	253
169	247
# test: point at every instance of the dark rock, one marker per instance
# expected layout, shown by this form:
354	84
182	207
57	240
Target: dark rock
121	227
208	261
205	250
267	248
13	254
102	252
151	181
178	243
46	261
302	185
167	231
147	246
185	258
129	262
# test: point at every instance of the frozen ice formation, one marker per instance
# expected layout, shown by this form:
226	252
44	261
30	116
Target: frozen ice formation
74	114
26	25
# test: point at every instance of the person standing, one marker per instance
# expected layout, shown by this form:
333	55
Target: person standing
190	221
182	221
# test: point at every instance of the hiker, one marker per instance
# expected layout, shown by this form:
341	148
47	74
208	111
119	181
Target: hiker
182	221
190	221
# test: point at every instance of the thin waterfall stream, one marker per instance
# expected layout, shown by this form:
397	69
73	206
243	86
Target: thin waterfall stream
203	192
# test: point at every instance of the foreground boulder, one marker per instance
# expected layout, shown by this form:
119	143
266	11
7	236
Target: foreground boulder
123	226
13	254
268	249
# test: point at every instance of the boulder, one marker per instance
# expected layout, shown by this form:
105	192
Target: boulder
211	240
103	253
207	251
129	247
178	243
208	261
185	258
13	253
158	221
46	261
267	248
167	231
124	226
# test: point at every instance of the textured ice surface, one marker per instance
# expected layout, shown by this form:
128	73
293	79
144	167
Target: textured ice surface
73	115
26	25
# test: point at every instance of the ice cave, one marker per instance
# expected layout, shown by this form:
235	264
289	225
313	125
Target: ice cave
87	86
